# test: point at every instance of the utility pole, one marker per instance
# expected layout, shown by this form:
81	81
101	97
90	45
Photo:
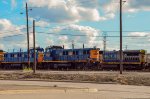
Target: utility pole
72	44
121	60
28	35
104	40
34	70
126	47
83	45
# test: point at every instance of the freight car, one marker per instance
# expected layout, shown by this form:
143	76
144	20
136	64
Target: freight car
132	59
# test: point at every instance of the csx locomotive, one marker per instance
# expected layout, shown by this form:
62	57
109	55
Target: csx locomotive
56	57
132	59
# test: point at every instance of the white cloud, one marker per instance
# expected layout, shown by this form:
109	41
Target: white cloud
140	42
49	41
6	26
13	4
67	11
42	23
11	36
138	5
1	46
139	34
69	32
63	38
112	6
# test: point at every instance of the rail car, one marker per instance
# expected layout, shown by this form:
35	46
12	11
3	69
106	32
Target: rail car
58	57
110	59
147	60
17	60
132	59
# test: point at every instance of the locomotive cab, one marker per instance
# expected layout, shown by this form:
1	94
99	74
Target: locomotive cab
1	55
39	53
134	59
94	55
50	53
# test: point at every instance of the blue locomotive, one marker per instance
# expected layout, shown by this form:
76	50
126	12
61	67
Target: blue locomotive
14	60
58	57
132	59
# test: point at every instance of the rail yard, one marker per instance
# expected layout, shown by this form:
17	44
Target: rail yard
75	49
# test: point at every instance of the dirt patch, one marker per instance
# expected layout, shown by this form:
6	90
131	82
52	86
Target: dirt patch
126	78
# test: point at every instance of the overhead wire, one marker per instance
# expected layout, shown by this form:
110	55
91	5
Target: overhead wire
12	35
96	30
79	30
83	35
5	32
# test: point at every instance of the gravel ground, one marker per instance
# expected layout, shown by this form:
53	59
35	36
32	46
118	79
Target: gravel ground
127	78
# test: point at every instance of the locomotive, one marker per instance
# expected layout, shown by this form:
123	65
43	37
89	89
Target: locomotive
56	57
132	59
147	60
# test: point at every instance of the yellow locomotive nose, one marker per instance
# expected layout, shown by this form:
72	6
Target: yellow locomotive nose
40	57
94	55
1	56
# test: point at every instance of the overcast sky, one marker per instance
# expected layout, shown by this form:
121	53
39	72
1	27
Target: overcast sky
75	17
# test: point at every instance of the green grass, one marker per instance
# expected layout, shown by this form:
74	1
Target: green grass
27	69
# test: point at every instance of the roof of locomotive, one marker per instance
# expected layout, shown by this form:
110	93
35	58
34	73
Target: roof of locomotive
77	49
136	51
124	51
54	47
37	48
114	51
61	48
